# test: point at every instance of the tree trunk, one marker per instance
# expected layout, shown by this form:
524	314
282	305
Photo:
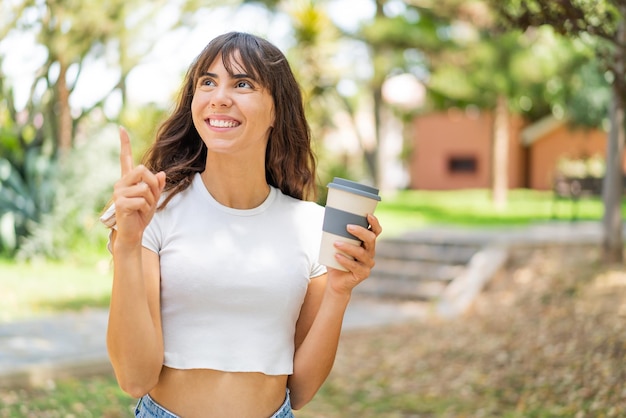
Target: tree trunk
613	250
64	112
371	154
500	155
612	187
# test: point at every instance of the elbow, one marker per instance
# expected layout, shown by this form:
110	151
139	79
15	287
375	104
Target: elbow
298	400
135	387
136	381
296	406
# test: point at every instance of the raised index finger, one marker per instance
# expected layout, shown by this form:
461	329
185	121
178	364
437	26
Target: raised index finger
126	154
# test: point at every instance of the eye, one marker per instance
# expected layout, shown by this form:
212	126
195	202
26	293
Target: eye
206	81
244	85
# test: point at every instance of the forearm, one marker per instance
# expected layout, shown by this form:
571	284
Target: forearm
134	343
314	358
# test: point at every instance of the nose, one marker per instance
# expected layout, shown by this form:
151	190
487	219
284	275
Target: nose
220	97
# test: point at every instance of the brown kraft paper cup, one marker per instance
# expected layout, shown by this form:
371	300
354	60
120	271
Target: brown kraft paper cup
348	202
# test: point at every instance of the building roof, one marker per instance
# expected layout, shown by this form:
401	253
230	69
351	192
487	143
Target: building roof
539	129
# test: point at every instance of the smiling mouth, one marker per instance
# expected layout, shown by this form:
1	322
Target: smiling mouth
220	123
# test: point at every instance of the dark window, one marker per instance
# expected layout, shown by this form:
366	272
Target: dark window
462	165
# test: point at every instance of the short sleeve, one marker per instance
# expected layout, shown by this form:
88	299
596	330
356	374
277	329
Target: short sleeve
317	270
108	220
315	216
108	217
151	236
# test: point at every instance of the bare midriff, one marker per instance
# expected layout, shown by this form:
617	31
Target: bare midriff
206	393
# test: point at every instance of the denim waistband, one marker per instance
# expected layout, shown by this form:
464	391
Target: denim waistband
285	409
148	408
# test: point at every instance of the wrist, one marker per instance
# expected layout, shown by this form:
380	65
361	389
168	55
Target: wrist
339	294
125	246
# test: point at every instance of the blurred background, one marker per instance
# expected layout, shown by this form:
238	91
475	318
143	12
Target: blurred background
405	95
471	113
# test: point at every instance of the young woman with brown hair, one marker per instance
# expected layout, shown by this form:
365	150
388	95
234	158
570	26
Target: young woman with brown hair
219	307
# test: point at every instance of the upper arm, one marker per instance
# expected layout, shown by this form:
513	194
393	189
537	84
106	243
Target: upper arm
310	307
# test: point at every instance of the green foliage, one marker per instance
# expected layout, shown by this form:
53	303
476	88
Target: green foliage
595	17
538	72
83	186
27	170
26	195
589	96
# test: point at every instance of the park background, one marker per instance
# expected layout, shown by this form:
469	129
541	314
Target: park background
71	72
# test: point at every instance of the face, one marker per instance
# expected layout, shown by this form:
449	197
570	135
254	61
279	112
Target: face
232	113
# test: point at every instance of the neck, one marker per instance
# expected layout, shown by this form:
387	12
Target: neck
236	185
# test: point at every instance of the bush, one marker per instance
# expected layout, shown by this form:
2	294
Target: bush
83	184
27	193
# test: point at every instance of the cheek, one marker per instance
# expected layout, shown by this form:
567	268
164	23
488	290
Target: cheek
272	115
194	104
196	110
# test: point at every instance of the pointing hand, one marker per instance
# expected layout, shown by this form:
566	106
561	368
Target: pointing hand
136	195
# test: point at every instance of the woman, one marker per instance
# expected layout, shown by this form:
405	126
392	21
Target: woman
219	307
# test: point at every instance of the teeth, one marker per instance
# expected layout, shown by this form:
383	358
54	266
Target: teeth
220	123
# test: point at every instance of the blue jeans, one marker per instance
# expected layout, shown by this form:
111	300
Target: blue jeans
148	408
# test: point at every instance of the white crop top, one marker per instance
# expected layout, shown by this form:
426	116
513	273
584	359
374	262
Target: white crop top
233	281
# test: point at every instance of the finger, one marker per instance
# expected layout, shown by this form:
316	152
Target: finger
155	182
161	178
374	224
141	190
361	255
129	204
126	155
359	270
368	237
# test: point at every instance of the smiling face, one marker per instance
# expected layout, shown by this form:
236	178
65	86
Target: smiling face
231	110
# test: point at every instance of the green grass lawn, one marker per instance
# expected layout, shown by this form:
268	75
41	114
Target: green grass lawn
31	289
404	210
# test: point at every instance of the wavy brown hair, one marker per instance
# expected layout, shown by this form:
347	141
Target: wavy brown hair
289	160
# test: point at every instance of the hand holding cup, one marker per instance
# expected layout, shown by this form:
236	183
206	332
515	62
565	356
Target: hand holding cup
348	203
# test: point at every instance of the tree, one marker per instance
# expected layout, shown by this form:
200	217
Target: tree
506	72
394	39
72	34
601	22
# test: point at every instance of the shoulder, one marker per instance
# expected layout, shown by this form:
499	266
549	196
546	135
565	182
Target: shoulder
304	207
182	198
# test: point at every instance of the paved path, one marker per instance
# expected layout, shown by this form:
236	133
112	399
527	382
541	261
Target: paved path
73	344
33	351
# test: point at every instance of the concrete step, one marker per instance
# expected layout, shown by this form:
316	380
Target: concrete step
418	268
406	269
443	252
399	288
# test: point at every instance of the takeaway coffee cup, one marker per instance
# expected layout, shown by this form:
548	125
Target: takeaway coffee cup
348	202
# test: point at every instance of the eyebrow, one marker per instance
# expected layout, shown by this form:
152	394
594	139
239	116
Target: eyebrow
235	76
